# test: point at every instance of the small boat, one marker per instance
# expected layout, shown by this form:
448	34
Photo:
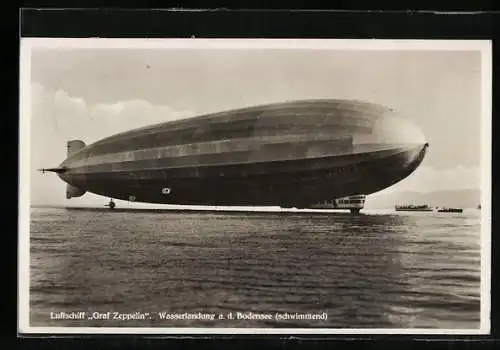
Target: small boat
412	207
449	210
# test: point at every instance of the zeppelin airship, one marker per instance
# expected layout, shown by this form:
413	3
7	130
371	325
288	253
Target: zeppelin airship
288	154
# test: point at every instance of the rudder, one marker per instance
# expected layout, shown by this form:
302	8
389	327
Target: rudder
74	146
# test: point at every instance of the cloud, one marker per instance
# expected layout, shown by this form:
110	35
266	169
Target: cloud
57	117
73	116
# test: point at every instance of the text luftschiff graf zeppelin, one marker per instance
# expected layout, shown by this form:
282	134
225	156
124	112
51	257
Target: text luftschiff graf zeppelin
168	316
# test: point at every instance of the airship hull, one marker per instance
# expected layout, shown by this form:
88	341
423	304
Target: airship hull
288	154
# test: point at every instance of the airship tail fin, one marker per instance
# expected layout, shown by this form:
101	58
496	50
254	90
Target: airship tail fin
73	191
74	146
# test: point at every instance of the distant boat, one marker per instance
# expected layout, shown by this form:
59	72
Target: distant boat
412	207
449	210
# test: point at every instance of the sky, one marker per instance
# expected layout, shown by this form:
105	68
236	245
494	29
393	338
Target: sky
92	93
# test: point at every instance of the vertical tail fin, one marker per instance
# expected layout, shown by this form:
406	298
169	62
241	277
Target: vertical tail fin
74	146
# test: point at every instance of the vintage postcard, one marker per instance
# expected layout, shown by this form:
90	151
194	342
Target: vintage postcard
183	186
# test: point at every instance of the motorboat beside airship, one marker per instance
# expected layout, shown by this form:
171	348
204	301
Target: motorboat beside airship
288	154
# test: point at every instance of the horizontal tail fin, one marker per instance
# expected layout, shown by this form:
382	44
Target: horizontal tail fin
59	170
74	146
73	191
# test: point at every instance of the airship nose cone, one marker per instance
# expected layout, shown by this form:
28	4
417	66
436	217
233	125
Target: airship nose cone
392	129
401	136
393	135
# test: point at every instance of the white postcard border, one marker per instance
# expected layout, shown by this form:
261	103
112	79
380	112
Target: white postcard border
27	44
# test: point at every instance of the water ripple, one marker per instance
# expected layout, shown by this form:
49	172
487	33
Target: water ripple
388	270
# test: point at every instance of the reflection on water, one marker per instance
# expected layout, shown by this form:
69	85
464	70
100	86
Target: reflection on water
416	270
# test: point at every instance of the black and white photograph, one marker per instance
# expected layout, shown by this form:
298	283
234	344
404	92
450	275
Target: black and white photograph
254	186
